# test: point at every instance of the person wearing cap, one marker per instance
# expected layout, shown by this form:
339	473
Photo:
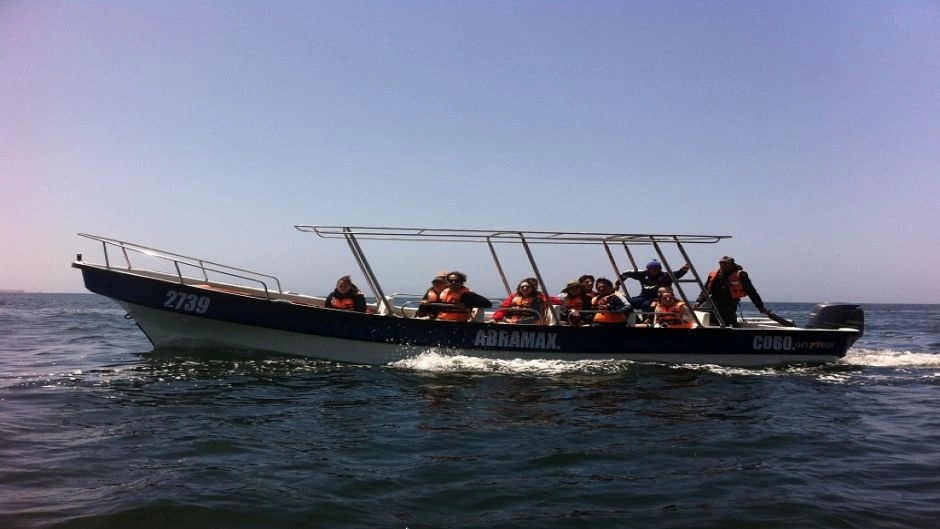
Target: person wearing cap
433	295
651	280
727	285
573	300
346	296
526	306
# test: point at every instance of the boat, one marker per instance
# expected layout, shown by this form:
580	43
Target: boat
183	302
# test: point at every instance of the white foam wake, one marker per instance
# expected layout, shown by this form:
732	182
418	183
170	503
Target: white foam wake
890	358
443	362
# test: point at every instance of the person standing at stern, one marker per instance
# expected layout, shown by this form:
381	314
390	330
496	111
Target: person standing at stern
727	285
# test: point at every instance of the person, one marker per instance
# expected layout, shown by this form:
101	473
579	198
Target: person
460	298
527	299
651	281
573	300
670	312
346	296
727	285
433	295
546	300
587	283
612	308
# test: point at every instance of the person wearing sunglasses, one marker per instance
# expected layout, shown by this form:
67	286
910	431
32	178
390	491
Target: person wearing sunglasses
459	299
526	306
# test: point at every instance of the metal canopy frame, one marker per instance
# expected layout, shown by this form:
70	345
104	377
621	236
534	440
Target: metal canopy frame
502	236
353	234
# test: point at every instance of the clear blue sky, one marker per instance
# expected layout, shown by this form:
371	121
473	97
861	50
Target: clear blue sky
808	130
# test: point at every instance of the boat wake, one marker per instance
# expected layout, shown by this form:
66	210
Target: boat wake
444	362
438	361
890	358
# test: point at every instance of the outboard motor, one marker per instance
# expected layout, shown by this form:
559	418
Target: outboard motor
836	315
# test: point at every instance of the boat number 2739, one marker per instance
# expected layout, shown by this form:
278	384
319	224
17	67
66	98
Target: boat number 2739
186	302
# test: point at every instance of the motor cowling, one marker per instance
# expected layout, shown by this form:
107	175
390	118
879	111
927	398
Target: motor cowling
836	315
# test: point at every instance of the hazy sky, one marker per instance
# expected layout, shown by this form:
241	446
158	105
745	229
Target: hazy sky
807	130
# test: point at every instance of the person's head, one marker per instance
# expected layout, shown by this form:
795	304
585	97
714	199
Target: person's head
439	282
587	282
525	288
456	279
344	284
573	288
604	286
726	263
654	268
666	296
533	281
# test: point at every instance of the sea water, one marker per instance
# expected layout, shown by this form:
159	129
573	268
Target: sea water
99	431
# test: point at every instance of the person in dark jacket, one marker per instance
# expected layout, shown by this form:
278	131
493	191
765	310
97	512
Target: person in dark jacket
727	285
346	296
651	280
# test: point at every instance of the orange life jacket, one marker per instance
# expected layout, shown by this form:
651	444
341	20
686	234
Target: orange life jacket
735	287
452	296
606	317
519	302
342	303
672	315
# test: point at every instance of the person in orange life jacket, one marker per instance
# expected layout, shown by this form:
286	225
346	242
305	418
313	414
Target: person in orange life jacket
346	296
611	306
573	300
433	295
526	297
461	299
650	282
670	312
727	285
587	283
546	299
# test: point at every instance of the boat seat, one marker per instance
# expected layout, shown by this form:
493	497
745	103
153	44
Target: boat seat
704	317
